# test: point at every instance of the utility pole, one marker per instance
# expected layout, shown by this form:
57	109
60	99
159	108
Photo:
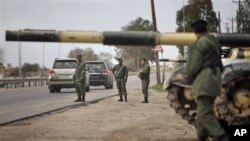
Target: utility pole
184	27
238	14
219	23
232	22
43	62
19	57
59	50
227	27
158	78
183	19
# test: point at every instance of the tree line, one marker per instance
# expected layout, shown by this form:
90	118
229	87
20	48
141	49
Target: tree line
27	69
131	54
243	17
203	9
88	54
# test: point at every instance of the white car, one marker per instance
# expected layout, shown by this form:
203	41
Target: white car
61	75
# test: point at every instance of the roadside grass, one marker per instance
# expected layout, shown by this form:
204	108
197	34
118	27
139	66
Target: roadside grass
158	87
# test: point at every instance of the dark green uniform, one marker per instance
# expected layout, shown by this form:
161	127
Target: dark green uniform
145	79
121	75
80	79
204	71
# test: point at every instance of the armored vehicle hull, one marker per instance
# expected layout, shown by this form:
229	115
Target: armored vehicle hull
232	106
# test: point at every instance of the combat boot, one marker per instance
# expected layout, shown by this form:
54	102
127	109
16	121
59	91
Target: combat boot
125	97
120	100
83	99
223	138
202	138
145	100
78	99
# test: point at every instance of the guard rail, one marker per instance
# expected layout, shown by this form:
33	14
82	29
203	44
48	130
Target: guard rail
22	82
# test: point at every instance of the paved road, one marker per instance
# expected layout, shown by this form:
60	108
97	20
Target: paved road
22	102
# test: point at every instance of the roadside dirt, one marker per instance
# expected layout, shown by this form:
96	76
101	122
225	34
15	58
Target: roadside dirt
107	120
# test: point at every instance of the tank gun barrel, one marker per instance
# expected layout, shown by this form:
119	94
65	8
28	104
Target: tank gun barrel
139	38
172	60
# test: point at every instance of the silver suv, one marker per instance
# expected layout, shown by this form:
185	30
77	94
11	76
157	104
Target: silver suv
100	74
61	75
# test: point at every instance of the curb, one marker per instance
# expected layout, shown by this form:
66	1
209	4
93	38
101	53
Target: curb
56	110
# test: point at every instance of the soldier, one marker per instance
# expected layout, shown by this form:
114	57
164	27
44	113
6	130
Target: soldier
120	73
204	69
80	79
144	76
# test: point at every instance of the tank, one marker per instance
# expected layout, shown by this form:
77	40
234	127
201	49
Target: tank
232	106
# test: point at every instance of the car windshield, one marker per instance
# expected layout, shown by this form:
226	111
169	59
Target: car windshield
64	64
95	66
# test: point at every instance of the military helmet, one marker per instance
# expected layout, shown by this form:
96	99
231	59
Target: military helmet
119	59
199	26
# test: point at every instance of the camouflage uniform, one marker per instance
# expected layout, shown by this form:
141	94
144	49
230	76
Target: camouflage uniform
145	80
80	80
121	75
204	68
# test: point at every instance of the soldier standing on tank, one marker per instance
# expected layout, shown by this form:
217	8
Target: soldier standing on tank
80	79
120	73
144	75
204	69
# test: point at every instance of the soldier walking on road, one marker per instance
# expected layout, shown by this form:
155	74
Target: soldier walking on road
144	76
80	79
120	73
204	69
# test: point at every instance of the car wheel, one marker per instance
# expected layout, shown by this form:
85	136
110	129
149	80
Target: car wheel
58	90
87	89
107	87
111	86
52	91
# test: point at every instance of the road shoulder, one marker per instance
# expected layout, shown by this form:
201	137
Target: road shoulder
107	120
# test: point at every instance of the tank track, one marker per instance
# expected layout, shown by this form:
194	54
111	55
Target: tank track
221	109
223	112
180	108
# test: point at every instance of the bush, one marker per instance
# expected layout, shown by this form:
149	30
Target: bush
158	87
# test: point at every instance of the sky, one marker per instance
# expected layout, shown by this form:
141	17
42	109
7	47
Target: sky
89	15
